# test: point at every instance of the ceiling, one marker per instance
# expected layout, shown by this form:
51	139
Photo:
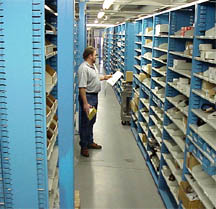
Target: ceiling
126	10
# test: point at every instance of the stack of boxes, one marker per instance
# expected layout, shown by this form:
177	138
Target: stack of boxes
185	31
183	84
209	89
181	65
211	32
187	195
207	52
210	74
147	68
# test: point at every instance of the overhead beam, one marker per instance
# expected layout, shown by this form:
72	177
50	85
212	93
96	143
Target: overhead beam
114	12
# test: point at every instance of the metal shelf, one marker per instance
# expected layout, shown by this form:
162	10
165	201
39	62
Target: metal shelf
160	49
182	37
178	123
181	54
175	87
163	73
185	73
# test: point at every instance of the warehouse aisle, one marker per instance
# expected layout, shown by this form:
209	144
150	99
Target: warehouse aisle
115	177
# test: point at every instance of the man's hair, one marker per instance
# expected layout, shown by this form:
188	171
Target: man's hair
88	51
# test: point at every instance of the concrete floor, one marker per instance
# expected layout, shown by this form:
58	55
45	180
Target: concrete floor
115	177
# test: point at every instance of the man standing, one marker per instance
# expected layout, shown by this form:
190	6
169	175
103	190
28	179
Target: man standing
89	87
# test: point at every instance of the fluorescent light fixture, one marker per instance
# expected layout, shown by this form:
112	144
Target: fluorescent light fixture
49	9
100	15
107	4
100	25
96	21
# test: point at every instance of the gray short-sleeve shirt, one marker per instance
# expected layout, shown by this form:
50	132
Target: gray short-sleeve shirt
89	78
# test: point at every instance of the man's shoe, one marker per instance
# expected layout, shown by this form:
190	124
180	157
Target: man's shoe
94	146
84	152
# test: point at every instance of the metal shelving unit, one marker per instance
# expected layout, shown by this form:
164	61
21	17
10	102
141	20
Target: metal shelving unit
36	125
173	79
118	52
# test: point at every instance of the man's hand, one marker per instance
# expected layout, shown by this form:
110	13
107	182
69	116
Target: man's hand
86	108
106	77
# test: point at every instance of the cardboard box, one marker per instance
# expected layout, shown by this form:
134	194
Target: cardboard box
211	92
210	55
182	65
184	80
129	76
205	47
48	113
163	68
134	107
144	138
142	77
184	120
184	197
53	126
206	85
49	47
136	99
191	161
53	100
51	75
148	68
212	73
50	104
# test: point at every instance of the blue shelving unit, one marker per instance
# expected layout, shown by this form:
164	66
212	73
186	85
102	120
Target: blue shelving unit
172	78
107	52
36	104
118	52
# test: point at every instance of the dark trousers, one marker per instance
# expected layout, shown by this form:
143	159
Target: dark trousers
86	125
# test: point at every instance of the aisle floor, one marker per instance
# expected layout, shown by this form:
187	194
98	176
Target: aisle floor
115	177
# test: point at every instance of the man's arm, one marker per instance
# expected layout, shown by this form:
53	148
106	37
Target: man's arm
105	77
86	106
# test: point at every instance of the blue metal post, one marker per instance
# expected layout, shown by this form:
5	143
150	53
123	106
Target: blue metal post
66	101
81	34
22	155
82	30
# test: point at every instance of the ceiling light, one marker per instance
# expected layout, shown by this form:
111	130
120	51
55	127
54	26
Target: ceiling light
100	15
96	21
107	4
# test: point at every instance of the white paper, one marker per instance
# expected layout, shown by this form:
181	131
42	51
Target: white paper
115	77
